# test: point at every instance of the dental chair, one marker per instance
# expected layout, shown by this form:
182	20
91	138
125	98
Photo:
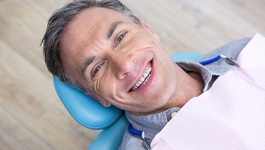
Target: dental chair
91	114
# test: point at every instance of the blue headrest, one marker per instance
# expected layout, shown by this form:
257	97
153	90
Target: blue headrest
87	111
186	56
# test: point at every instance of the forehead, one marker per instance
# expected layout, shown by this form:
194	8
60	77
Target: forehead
91	22
93	19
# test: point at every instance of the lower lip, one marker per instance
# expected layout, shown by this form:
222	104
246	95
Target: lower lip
148	84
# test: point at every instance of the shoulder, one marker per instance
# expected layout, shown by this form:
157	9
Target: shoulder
131	142
231	49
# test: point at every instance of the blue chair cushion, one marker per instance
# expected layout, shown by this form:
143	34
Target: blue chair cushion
186	56
84	109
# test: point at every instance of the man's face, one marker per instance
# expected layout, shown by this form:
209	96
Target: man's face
118	61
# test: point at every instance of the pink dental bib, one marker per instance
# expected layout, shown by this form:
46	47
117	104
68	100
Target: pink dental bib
230	115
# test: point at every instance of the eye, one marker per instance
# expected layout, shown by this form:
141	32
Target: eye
96	69
120	38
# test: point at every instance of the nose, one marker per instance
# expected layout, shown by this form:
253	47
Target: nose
121	64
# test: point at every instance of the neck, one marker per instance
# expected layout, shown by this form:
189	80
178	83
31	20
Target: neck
192	86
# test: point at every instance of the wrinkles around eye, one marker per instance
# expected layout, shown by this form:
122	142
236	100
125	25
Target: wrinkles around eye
94	88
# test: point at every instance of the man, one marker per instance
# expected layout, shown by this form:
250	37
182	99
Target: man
110	54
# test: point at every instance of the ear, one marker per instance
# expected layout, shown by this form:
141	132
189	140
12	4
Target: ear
149	30
99	99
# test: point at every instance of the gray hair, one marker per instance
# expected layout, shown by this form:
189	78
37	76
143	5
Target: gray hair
55	29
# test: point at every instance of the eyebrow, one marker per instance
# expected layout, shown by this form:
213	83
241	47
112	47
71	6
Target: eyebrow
112	28
87	62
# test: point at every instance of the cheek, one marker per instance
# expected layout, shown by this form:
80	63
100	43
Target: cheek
166	84
107	86
140	37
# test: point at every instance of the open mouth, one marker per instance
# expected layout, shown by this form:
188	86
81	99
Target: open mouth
145	77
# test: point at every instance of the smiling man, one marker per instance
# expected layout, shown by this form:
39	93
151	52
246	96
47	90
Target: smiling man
103	49
125	56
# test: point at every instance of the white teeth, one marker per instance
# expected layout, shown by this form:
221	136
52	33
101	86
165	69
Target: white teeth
143	79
